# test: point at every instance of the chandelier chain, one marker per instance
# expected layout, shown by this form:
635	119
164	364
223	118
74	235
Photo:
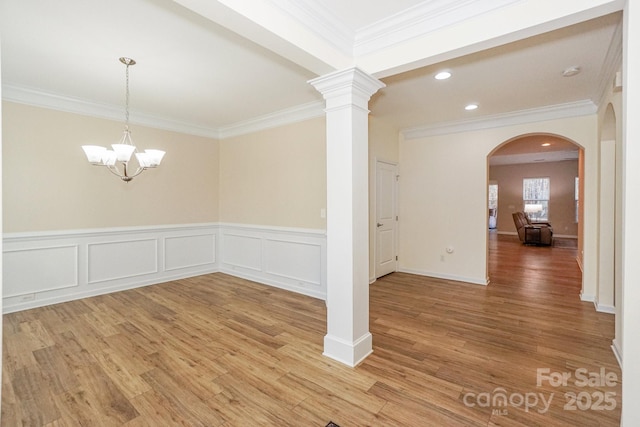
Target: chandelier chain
126	116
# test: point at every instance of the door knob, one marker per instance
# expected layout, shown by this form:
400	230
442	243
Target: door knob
379	225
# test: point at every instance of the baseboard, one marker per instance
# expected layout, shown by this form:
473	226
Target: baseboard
9	307
587	298
348	353
260	278
603	308
483	282
617	352
561	236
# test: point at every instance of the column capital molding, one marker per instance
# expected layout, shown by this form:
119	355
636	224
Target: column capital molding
349	81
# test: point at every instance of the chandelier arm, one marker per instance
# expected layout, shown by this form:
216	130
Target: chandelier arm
114	170
137	172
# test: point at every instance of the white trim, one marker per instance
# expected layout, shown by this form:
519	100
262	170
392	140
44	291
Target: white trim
273	247
39	98
561	111
612	64
291	115
416	21
602	308
321	21
483	282
617	352
46	299
93	232
566	236
349	353
134	243
248	251
274	229
587	298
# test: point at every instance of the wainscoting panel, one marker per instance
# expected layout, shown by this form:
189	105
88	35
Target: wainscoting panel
288	258
119	260
240	251
189	251
292	260
35	269
50	267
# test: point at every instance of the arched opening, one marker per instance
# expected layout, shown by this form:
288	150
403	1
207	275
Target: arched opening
605	292
609	292
540	176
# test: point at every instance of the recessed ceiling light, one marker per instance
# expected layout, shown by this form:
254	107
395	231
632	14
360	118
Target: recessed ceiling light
546	144
471	107
442	75
571	71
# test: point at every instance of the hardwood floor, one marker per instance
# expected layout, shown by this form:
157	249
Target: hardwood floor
221	351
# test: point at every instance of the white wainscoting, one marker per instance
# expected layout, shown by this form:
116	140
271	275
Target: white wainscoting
289	258
51	267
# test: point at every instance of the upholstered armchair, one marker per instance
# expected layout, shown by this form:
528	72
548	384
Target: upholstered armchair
532	233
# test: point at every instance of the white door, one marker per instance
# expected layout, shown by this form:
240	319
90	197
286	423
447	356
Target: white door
386	218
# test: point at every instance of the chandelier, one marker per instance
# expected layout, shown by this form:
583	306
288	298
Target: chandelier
121	153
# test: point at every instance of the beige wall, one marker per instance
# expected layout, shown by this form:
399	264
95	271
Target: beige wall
443	197
562	176
49	185
275	177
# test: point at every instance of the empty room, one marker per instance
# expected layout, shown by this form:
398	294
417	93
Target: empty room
279	212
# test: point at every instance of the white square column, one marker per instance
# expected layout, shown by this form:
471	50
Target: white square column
347	95
630	310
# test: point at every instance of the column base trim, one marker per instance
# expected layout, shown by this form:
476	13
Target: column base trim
349	353
617	351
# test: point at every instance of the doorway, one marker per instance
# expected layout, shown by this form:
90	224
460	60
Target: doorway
386	230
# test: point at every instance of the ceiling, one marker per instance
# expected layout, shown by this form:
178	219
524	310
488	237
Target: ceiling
196	74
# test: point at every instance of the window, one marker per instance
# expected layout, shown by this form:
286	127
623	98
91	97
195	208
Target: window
535	195
493	205
493	196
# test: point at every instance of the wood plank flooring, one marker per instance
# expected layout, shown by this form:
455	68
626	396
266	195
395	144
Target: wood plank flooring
216	350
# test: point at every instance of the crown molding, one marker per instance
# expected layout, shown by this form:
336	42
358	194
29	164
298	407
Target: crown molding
552	112
319	20
419	20
612	64
287	116
38	98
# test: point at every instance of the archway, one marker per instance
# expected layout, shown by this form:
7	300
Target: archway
543	158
